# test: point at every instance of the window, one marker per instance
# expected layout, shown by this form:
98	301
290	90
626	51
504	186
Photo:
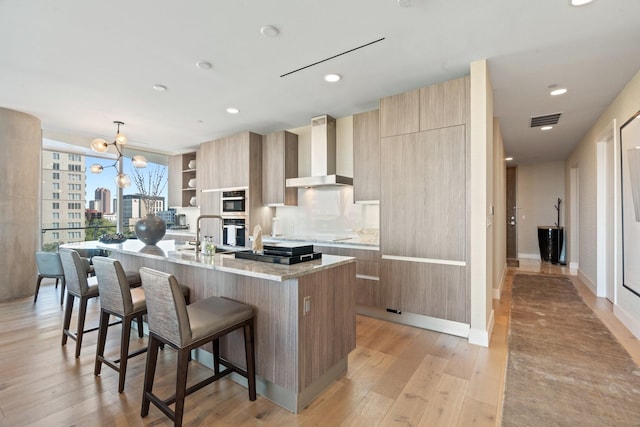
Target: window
55	205
56	185
56	166
75	196
56	196
75	186
55	235
56	215
75	158
56	156
74	234
56	175
55	225
75	168
75	177
76	206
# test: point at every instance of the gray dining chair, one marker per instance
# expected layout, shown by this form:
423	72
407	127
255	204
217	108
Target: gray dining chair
49	267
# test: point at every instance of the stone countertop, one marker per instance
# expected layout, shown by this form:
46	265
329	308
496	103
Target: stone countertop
224	261
354	242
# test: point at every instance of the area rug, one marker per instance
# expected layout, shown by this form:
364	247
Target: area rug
564	367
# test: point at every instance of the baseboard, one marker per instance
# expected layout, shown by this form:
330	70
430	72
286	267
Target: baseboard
497	292
627	320
573	265
529	256
419	321
592	286
482	338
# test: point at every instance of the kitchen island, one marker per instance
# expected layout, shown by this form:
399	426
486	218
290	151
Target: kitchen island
304	313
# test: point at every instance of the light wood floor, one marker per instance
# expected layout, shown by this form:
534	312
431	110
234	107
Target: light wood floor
398	375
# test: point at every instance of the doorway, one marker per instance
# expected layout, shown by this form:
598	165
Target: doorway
512	217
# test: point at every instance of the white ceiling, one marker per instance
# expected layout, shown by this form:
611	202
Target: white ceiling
79	65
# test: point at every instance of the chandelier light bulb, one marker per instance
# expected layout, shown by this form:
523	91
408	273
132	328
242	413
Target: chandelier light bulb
96	168
99	145
121	139
139	161
122	180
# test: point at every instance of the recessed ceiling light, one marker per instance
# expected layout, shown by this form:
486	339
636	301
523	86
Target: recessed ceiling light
557	92
204	65
508	159
546	128
159	88
269	31
332	78
232	110
580	2
404	3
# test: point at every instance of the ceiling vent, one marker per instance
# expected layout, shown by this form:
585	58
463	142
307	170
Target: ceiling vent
550	119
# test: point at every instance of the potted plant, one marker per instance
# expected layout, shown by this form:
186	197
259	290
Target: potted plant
152	228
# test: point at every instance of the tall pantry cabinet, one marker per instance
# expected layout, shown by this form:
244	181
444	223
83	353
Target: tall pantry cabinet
423	201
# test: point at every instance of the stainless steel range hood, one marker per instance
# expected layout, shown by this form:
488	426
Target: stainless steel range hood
323	156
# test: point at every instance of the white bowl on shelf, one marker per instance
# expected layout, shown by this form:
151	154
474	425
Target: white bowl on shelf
192	164
192	183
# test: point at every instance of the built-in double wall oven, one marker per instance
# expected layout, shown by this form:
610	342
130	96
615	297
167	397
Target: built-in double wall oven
234	210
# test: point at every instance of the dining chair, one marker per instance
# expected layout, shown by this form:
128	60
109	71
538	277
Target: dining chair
119	299
49	267
186	327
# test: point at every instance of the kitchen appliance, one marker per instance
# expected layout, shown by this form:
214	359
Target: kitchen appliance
180	219
323	156
281	253
233	202
233	232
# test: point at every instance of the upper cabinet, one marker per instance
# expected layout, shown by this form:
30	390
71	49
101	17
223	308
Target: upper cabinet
400	114
444	104
432	107
229	162
279	162
366	157
182	179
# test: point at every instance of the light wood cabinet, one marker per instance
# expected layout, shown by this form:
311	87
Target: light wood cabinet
366	156
444	104
369	287
279	162
423	201
226	161
180	175
400	114
424	194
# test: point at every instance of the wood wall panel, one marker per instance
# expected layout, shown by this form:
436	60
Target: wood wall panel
366	156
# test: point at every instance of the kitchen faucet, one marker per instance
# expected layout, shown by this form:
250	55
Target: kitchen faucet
198	228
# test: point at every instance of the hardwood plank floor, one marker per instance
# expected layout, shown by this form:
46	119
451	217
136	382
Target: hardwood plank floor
398	375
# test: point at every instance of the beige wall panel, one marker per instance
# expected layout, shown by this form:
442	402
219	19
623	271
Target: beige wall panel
366	156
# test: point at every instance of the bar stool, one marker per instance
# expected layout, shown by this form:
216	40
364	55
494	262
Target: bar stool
184	328
84	288
117	298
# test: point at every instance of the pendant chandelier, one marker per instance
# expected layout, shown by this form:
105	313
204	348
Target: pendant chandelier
100	145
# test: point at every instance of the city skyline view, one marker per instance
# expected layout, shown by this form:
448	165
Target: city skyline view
106	179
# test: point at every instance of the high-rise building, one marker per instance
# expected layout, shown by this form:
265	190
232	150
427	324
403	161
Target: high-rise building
103	195
134	207
63	197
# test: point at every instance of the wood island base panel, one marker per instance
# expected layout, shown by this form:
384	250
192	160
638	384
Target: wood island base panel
305	313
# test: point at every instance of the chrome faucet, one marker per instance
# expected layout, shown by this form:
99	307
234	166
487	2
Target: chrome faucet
198	228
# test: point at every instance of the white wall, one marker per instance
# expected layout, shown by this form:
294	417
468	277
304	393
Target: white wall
500	211
481	200
583	157
539	186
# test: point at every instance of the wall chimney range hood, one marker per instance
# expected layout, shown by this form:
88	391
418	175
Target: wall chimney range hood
323	156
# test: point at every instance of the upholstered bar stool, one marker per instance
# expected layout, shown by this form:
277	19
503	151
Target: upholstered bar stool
49	267
117	298
185	328
84	288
